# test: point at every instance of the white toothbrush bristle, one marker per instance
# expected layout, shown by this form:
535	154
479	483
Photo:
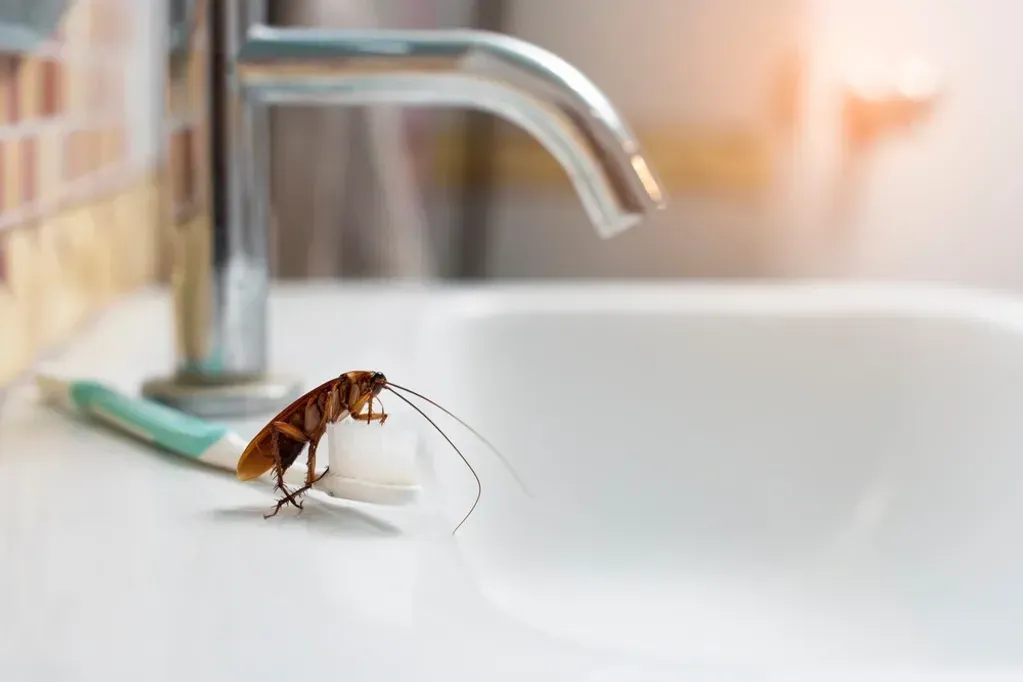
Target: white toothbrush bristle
372	453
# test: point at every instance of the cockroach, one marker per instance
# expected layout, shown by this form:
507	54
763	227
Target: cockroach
303	423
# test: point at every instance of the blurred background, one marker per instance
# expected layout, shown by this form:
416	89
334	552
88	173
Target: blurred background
798	139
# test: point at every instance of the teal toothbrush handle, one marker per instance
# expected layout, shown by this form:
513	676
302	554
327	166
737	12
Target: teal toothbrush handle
151	421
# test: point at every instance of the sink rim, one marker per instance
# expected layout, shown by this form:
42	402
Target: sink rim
730	297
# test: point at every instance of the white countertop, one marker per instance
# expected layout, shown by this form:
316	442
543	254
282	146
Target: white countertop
123	563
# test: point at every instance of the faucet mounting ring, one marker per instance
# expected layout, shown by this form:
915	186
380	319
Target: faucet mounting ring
265	395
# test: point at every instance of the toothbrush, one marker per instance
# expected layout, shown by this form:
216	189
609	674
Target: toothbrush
365	464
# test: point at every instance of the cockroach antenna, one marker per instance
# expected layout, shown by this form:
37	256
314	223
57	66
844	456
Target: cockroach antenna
479	488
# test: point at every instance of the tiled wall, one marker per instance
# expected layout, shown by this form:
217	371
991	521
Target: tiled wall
79	214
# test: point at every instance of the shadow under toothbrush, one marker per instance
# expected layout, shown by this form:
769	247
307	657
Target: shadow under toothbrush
319	511
315	514
322	510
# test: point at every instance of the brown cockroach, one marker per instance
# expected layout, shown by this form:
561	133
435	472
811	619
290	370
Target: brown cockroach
303	422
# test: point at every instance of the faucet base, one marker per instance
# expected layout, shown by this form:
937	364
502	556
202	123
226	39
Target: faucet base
219	401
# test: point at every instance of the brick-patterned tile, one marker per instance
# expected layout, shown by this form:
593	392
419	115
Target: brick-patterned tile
29	169
69	157
110	22
99	16
83	153
76	152
9	90
30	84
104	147
85	84
74	88
87	148
113	146
24	246
51	145
96	149
119	145
4	253
96	85
126	21
107	90
62	239
88	159
52	88
3	178
12	174
115	90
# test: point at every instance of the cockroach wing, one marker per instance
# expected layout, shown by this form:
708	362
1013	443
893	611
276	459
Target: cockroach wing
257	459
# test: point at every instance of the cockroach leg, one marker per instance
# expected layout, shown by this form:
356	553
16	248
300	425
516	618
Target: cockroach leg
310	467
280	503
308	486
314	441
283	428
370	417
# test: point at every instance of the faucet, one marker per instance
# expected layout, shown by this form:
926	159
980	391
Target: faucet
221	282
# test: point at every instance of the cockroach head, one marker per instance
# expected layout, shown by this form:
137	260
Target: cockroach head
378	381
370	383
360	386
365	379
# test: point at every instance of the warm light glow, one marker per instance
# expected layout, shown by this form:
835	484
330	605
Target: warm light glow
917	79
869	78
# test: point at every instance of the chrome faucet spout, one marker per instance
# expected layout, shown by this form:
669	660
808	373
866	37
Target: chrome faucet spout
510	78
222	271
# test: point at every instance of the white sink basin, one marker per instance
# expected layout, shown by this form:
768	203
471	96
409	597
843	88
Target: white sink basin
772	477
742	483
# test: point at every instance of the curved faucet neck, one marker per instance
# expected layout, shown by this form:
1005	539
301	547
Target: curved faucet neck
510	78
223	271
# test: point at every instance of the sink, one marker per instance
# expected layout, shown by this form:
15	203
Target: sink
742	482
775	476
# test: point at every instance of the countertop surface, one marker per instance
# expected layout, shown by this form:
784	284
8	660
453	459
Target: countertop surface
122	562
